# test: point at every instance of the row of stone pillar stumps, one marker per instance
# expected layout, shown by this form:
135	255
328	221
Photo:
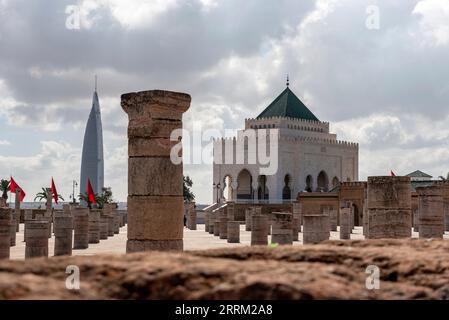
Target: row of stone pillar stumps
387	213
74	227
156	205
284	227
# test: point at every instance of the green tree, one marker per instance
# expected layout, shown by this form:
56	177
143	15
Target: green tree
105	197
101	199
5	187
43	195
85	197
188	194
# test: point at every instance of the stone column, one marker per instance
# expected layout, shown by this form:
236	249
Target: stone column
49	203
94	225
17	210
116	217
446	215
248	219
191	216
5	231
295	230
282	228
28	216
63	227
37	239
108	213
206	221
230	210
216	228
365	214
345	223
104	224
223	224
155	209
316	228
233	231
259	234
211	222
333	218
389	207
297	213
431	212
416	220
81	228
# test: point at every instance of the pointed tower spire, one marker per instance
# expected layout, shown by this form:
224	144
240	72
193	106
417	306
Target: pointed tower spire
288	80
95	83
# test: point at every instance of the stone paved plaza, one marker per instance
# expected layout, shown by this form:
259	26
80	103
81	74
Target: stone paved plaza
193	240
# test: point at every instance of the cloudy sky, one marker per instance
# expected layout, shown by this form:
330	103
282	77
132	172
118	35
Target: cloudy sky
381	82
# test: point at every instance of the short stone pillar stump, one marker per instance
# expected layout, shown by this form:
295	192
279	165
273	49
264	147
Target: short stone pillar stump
248	218
233	232
206	221
191	218
81	228
104	225
259	228
211	223
223	225
345	223
297	212
282	228
295	229
37	239
315	228
5	232
389	207
63	227
94	225
431	212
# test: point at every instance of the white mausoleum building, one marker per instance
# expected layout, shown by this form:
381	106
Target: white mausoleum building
309	157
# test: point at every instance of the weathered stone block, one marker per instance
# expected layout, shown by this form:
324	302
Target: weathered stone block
154	176
155	104
386	223
152	128
155	218
155	147
431	212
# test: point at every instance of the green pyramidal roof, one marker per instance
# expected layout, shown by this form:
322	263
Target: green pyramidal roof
287	104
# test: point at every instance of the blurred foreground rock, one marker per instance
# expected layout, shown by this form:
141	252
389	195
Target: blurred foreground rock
410	269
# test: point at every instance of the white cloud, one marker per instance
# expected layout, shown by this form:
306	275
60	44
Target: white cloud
5	143
55	158
131	14
401	143
434	20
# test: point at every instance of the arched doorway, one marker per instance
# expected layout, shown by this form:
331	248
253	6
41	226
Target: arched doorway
227	188
323	182
309	183
244	185
286	191
335	182
262	190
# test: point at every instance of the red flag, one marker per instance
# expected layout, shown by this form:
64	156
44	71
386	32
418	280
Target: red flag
14	185
90	192
392	173
54	191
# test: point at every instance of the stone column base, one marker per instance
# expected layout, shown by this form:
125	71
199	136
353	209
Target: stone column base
150	245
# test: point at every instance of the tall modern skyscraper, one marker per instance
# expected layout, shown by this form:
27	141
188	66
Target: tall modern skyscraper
92	162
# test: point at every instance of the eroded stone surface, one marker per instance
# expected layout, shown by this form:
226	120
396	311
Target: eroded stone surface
410	269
